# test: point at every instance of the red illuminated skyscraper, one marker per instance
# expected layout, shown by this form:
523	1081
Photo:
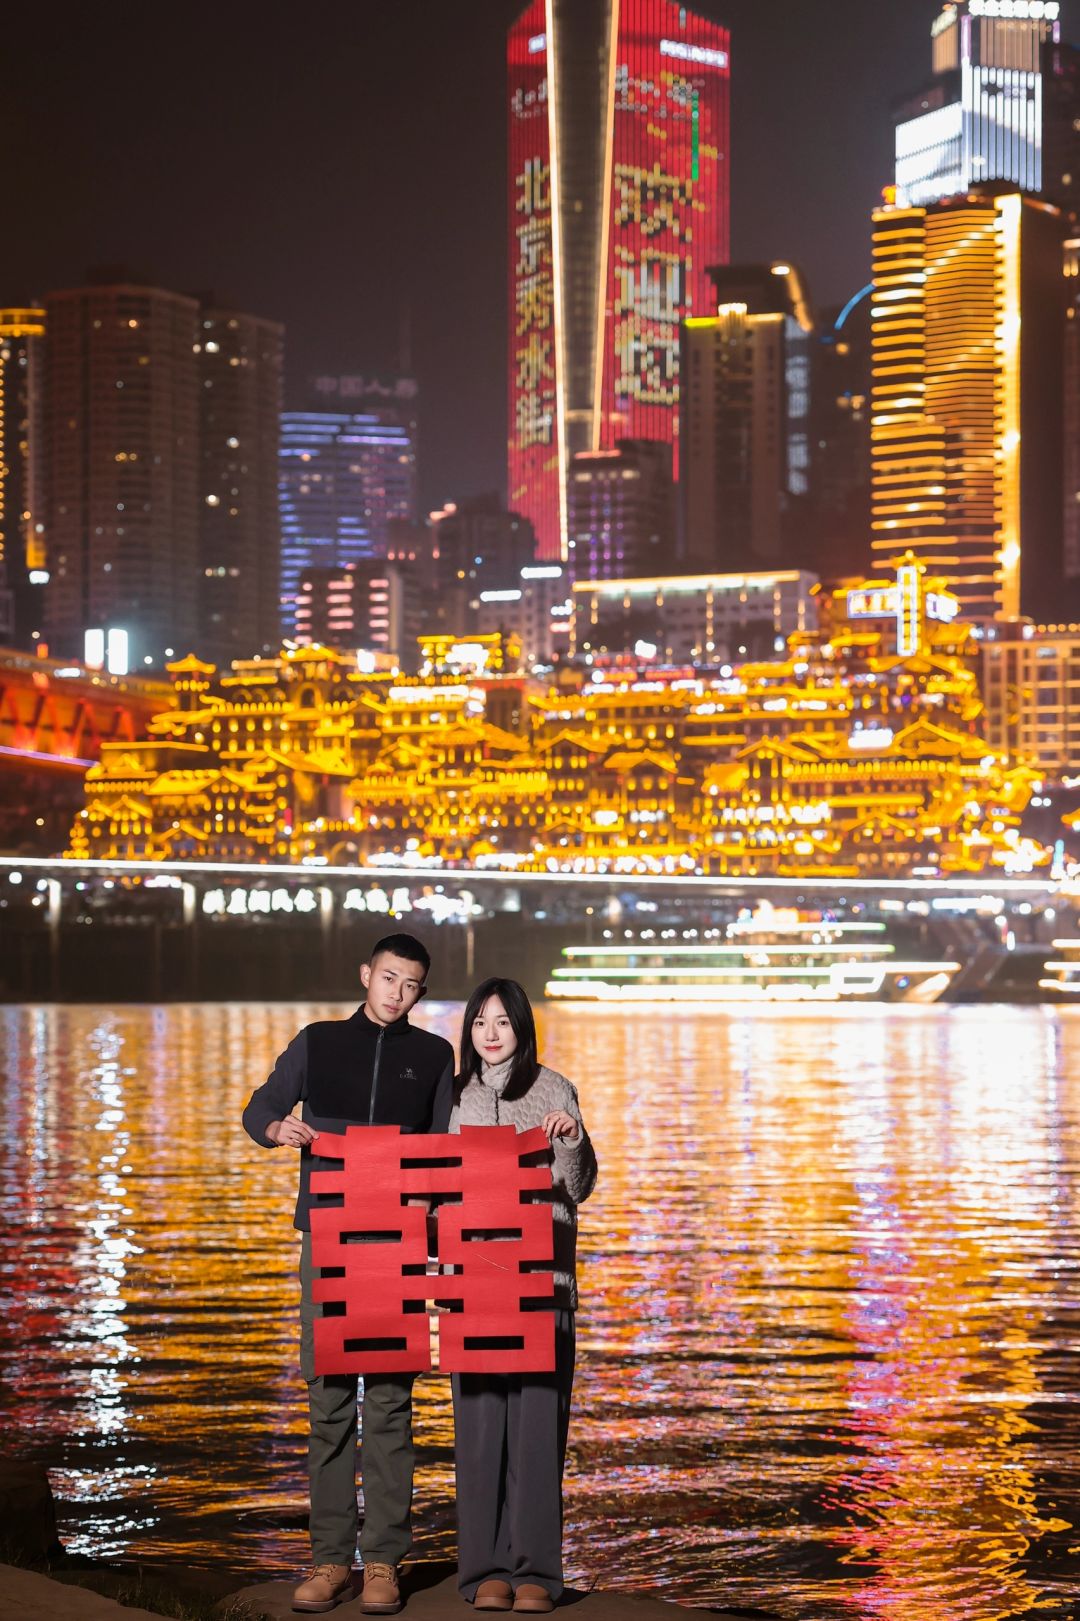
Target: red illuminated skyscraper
619	200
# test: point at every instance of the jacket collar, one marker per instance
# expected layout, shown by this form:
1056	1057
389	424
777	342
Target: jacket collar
368	1027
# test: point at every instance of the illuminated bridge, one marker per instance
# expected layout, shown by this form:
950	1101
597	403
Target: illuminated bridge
55	716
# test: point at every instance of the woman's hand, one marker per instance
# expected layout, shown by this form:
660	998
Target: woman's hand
559	1124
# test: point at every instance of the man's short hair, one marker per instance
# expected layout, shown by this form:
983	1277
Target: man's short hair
402	945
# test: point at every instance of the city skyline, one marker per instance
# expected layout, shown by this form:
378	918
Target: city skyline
543	531
617	182
191	206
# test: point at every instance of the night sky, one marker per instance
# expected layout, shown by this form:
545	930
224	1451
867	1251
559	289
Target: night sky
341	168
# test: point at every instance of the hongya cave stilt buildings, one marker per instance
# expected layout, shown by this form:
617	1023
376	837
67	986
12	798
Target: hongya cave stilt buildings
852	754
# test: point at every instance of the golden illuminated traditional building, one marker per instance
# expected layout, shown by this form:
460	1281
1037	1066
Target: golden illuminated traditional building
858	751
968	319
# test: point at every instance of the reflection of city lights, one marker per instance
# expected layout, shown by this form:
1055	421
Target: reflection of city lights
880	1173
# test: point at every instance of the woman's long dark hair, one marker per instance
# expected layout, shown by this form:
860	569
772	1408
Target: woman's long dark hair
525	1065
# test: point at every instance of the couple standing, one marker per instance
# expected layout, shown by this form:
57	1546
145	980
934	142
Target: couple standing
375	1068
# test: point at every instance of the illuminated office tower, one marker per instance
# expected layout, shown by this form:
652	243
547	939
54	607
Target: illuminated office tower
477	540
360	607
240	363
475	545
535	611
621	511
1029	677
122	467
966	427
618	203
347	469
1002	105
23	573
1071	494
746	414
696	619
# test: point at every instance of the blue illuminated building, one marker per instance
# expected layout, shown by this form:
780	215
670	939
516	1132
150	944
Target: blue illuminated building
347	471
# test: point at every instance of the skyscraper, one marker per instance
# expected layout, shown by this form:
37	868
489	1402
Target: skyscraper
1071	492
22	516
1002	105
619	201
361	607
966	430
240	364
746	410
347	469
476	539
621	506
840	437
475	545
122	466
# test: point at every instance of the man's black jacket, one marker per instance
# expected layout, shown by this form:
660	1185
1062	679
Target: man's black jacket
354	1072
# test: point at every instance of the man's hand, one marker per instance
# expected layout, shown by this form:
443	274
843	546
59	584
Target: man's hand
559	1124
290	1132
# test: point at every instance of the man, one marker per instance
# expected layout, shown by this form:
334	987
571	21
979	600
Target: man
374	1068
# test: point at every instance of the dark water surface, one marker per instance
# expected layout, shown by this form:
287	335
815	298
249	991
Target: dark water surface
828	1349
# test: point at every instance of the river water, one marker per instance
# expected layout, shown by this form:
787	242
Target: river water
828	1345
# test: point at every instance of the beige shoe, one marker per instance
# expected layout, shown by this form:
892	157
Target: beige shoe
326	1588
493	1595
533	1599
381	1595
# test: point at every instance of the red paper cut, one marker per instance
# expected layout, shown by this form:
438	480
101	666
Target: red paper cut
378	1243
491	1284
371	1237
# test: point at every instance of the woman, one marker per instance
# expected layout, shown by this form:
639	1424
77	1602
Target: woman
510	1429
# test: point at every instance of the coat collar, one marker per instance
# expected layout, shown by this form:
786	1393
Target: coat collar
368	1027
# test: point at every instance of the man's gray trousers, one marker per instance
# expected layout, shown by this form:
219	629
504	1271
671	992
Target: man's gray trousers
386	1453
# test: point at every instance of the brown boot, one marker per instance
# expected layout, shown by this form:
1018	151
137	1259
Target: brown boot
381	1595
493	1595
326	1588
532	1599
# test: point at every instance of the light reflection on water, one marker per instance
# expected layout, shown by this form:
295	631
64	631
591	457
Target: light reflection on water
828	1345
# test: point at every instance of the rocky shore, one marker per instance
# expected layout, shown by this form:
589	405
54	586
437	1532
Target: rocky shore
430	1595
41	1583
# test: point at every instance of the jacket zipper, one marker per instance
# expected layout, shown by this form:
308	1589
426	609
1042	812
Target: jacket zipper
375	1078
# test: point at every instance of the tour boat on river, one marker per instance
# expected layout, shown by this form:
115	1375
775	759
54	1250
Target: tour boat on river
1061	972
773	954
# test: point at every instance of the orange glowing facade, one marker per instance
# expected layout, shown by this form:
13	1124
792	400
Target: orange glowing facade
858	751
618	203
967	378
